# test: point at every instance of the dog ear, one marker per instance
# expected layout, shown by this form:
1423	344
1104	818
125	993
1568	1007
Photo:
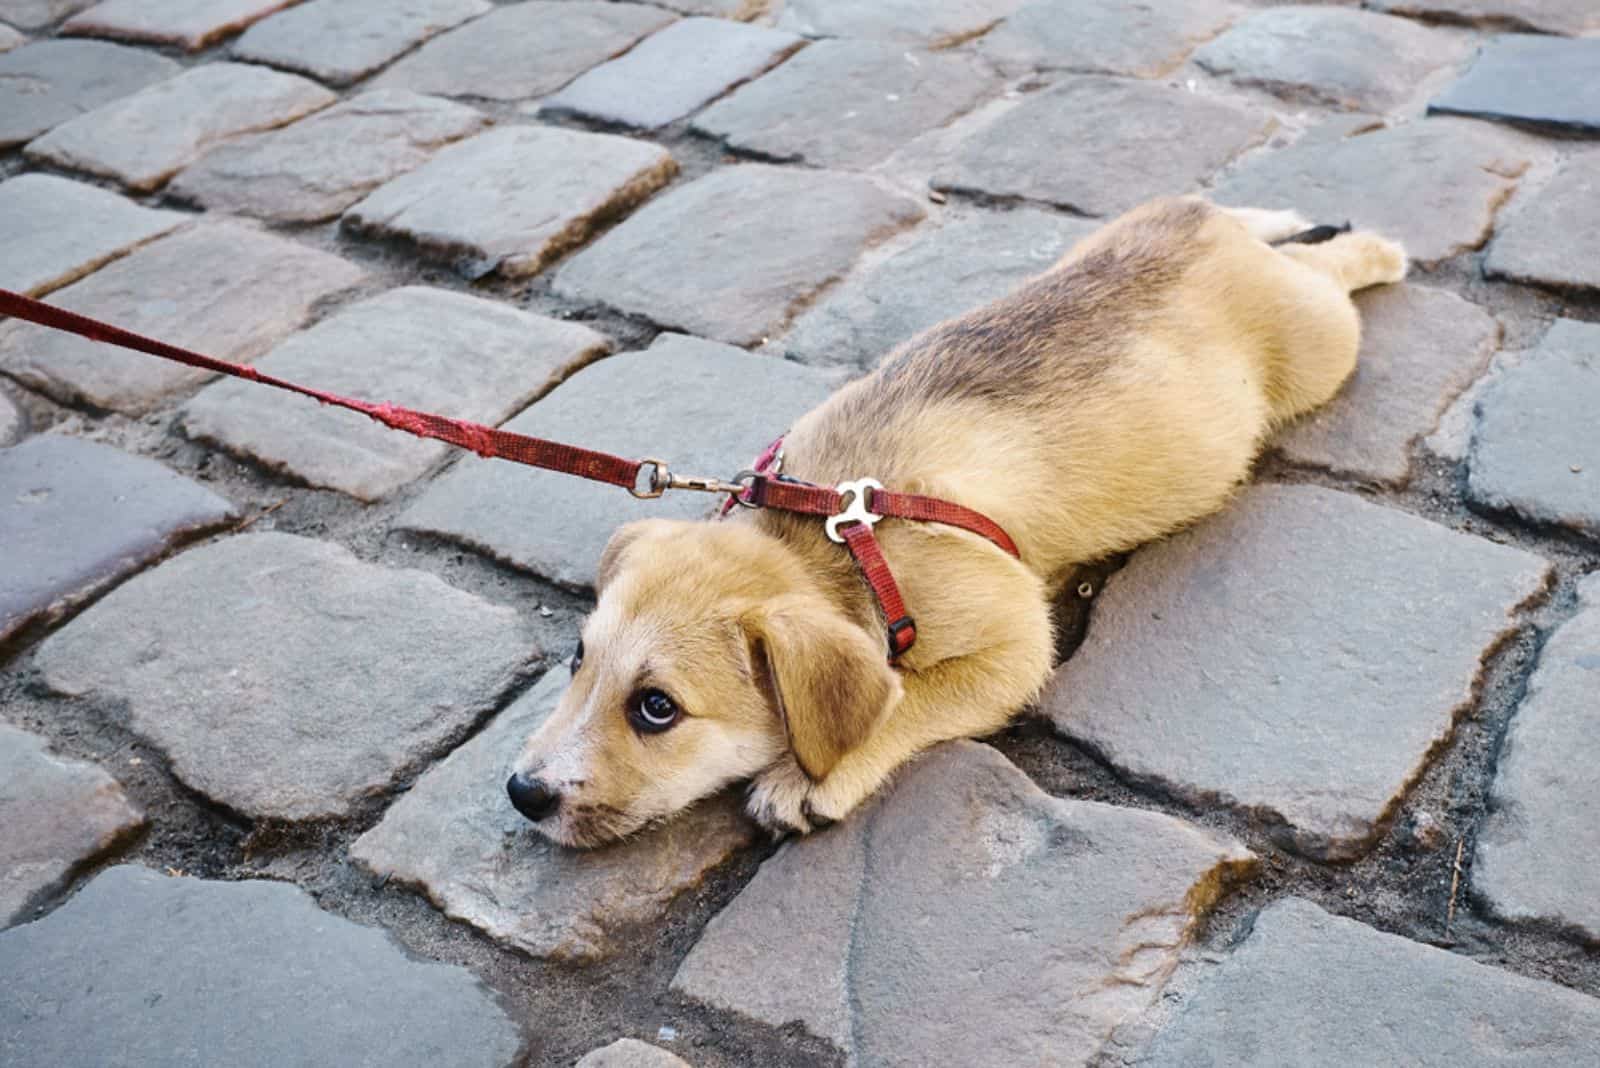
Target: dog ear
829	681
621	538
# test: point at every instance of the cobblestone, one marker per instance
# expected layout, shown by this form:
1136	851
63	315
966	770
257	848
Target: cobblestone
37	14
332	679
524	50
1565	96
1240	642
316	168
938	23
217	288
1307	988
1370	178
144	969
1533	858
47	83
927	930
189	24
55	815
1525	455
1554	238
714	257
513	200
456	835
1552	16
343	41
426	348
76	517
845	103
673	72
1147	39
10	38
631	1053
725	406
1131	141
53	231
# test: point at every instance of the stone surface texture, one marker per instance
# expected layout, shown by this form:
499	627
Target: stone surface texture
1308	696
316	168
140	968
713	257
939	276
76	516
514	200
54	231
1554	238
1527	78
726	405
901	21
13	421
189	24
37	14
55	815
1551	16
283	677
631	1053
928	930
456	836
1527	455
1356	59
524	50
343	41
1271	1002
1146	39
846	103
144	139
1372	180
218	288
1420	348
10	38
1132	141
418	347
49	82
673	72
1534	854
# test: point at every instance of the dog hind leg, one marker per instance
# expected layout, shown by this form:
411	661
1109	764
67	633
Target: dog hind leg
1355	260
1270	225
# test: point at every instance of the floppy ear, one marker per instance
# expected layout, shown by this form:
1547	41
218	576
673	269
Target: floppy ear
829	680
621	538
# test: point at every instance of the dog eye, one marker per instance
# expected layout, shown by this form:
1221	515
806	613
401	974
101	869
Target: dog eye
577	657
653	711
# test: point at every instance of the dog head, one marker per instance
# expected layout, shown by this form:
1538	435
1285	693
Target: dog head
711	654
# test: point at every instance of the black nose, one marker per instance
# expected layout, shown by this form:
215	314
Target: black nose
532	797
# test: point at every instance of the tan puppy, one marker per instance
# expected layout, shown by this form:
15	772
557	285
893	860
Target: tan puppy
1111	400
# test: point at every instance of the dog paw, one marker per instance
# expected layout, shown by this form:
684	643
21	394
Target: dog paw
778	800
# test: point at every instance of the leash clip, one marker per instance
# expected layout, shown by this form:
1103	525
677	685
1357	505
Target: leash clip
856	511
656	478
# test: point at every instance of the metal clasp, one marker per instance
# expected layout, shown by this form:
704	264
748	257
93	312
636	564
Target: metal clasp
855	510
660	479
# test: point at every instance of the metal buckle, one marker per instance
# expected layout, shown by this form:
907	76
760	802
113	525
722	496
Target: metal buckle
856	510
660	478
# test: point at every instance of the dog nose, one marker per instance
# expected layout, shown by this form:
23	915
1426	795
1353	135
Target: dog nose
532	797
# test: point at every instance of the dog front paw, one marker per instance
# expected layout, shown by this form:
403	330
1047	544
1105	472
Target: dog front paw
778	800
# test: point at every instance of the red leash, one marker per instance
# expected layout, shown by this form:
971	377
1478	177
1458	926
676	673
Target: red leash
850	510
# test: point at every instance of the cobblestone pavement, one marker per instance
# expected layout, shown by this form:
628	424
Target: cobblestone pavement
1317	787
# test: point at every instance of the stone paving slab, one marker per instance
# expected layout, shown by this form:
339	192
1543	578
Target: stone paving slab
55	815
846	103
313	170
457	837
218	288
524	50
926	22
37	14
729	255
54	231
1535	854
188	24
514	200
144	139
76	517
1131	141
1355	59
1554	238
10	38
1373	180
965	918
418	347
283	677
1552	16
1320	991
343	41
47	83
144	969
1420	348
1300	656
631	1053
724	407
1533	448
942	274
1146	39
1540	81
673	72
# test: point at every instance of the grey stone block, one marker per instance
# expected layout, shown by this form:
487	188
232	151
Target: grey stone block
44	84
1536	80
343	41
53	231
631	1053
10	38
1551	16
188	24
930	22
1554	238
37	14
1147	39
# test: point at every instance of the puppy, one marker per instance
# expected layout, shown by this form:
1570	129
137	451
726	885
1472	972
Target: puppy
1111	400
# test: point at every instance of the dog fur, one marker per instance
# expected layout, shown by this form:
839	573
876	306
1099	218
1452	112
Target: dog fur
1113	399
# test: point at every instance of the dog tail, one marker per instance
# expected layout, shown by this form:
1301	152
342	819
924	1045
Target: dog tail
1315	236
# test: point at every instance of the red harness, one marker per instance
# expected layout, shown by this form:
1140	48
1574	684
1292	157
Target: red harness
850	510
